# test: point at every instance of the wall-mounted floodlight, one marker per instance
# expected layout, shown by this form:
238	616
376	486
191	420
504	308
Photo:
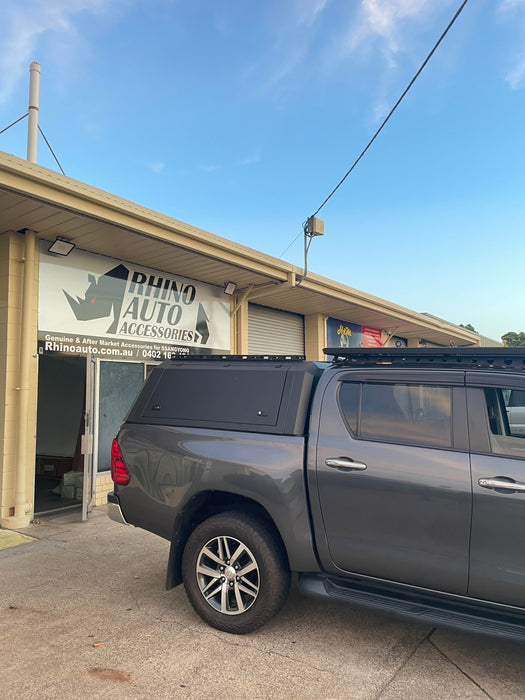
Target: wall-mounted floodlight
230	288
61	246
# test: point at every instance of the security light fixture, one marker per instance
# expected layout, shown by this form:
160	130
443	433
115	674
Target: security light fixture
61	246
229	288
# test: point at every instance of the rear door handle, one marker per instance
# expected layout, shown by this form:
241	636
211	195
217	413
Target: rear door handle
499	483
345	463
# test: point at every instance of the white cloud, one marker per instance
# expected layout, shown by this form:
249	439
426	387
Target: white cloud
509	5
26	22
293	27
516	77
308	10
513	12
209	168
320	36
157	167
250	160
387	21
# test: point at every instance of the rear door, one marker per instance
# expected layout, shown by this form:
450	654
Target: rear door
497	570
393	477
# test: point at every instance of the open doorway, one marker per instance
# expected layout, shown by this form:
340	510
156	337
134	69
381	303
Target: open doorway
61	419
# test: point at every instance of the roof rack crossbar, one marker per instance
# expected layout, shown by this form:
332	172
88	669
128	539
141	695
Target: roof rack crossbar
500	358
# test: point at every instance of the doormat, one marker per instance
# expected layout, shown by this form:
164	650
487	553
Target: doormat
10	538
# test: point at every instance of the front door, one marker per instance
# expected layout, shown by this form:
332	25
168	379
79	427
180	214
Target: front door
394	494
498	478
64	427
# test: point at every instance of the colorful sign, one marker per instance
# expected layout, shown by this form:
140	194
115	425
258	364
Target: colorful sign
341	334
370	337
94	305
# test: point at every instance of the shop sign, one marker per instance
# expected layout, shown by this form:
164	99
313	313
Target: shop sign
370	337
94	305
342	334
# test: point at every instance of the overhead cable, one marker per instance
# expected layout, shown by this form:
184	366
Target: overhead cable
18	120
52	152
43	136
427	59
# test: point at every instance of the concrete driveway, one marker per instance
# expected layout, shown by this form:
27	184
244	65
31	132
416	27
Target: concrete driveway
84	614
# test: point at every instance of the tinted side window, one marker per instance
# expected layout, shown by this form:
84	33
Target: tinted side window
516	398
505	432
349	399
401	413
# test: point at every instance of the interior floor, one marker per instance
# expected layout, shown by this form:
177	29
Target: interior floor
47	501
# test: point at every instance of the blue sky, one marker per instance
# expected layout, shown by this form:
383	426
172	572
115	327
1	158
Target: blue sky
240	117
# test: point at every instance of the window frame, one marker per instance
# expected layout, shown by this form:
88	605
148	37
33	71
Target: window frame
400	379
478	417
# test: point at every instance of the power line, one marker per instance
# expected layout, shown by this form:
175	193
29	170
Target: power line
49	146
291	244
43	136
416	76
18	120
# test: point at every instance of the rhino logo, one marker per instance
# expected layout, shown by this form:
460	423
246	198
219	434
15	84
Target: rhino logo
202	325
102	297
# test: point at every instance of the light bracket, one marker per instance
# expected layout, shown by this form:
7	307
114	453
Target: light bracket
230	288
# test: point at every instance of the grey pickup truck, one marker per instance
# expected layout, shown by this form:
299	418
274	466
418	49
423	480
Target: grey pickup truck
386	478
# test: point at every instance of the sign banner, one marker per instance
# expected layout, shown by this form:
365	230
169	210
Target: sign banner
92	304
341	334
370	337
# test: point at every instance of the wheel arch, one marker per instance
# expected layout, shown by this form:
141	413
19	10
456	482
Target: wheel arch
200	508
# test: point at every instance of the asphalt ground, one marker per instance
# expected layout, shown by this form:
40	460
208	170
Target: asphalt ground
84	614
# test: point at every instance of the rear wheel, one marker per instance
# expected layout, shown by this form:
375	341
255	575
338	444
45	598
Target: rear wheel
235	572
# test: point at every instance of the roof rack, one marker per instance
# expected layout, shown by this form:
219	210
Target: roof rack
239	358
499	358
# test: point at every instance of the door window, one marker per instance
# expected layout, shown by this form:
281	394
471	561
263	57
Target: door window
119	383
504	412
399	413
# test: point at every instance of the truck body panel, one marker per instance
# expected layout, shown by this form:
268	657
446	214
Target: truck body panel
171	467
392	478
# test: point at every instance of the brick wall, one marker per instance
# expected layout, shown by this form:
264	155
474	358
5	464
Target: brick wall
103	485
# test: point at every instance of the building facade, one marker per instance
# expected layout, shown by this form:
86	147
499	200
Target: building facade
95	290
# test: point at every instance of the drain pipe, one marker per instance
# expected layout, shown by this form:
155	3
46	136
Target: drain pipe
23	508
32	123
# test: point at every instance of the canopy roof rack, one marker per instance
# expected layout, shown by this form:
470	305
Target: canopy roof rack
238	358
499	358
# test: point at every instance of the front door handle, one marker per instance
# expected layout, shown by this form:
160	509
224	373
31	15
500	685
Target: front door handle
345	463
499	483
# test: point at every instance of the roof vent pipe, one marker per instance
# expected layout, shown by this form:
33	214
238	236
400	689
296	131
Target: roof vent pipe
32	124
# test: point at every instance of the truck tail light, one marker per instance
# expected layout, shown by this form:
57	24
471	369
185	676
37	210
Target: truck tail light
119	471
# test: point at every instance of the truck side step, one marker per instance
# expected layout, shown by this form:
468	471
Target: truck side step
458	612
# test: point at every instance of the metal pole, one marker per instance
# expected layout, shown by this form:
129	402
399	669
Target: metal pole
32	123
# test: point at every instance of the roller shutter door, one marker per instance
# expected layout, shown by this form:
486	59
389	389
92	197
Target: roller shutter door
274	332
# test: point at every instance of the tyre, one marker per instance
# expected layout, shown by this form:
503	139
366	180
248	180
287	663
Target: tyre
235	572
